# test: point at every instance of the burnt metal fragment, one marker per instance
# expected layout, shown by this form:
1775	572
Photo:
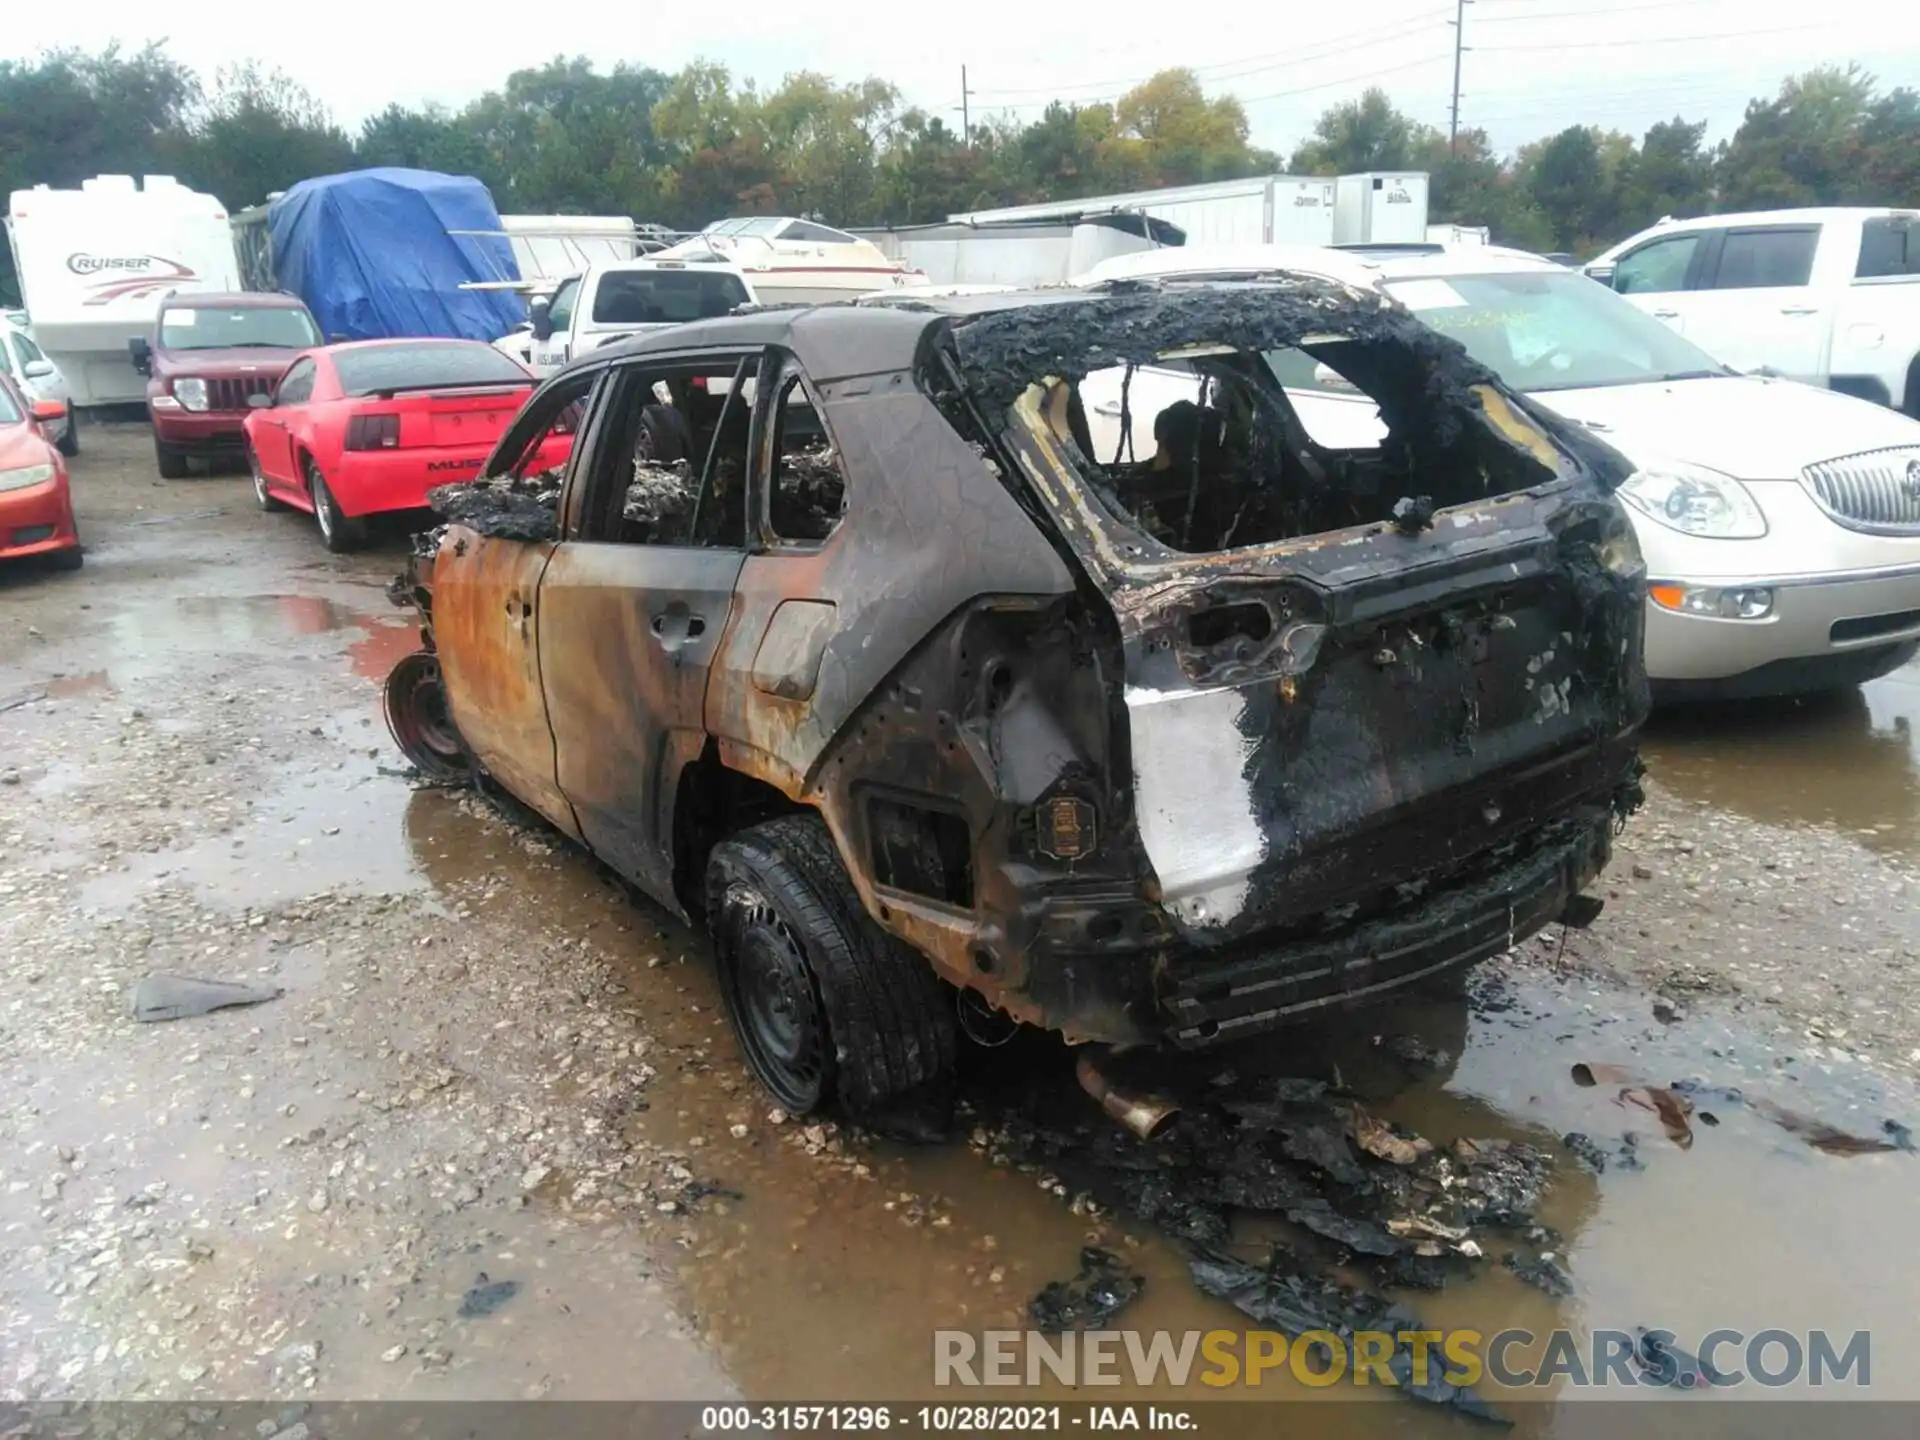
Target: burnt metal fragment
486	1296
1412	514
1542	1271
1101	1290
172	997
1282	1295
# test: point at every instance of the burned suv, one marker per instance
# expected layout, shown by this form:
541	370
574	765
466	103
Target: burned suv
837	635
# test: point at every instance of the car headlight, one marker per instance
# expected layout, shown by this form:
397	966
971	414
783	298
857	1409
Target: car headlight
1695	501
191	393
25	476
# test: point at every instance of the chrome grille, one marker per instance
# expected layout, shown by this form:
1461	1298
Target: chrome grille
232	394
1877	491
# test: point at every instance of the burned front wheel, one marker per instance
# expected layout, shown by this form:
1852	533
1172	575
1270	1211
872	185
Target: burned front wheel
826	1005
416	706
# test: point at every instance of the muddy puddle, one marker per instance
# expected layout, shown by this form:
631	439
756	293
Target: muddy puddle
1850	760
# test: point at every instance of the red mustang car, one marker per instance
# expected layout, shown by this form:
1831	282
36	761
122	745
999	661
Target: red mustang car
372	425
36	507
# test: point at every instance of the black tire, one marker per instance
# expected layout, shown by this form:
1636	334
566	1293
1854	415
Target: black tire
70	559
70	441
825	1004
173	465
262	497
342	533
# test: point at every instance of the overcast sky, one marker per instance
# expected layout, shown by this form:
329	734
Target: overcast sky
1532	66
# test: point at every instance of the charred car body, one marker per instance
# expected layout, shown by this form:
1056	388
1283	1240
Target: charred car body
888	669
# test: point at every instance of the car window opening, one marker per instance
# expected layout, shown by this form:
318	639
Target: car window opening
649	493
806	490
1232	462
1179	409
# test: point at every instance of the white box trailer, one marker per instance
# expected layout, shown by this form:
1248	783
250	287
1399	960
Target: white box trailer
95	263
1019	252
1262	210
1381	208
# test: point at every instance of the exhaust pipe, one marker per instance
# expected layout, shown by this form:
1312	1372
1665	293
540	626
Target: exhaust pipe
1146	1115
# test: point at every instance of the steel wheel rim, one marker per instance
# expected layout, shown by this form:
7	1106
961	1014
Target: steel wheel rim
418	718
778	1016
259	476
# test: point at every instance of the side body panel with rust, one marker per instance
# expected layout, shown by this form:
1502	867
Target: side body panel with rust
928	529
627	637
485	594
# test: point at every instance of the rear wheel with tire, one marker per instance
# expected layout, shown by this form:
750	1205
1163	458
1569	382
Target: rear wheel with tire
342	532
262	496
173	465
70	440
826	1005
71	558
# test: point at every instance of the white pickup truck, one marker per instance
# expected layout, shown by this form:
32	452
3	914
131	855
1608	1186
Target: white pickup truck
612	302
1831	297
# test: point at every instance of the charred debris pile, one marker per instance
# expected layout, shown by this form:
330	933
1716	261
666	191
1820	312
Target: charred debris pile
660	502
1369	1202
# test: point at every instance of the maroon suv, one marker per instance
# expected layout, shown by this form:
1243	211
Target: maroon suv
208	353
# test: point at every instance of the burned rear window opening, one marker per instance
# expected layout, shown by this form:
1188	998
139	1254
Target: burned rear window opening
1231	464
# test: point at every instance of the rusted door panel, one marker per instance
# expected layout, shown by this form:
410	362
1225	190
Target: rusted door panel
927	531
485	597
627	638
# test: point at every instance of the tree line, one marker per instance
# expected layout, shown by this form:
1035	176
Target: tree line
685	148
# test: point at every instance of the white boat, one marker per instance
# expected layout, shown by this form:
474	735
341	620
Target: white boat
791	261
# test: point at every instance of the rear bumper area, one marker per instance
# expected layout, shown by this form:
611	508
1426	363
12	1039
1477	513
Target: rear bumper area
1260	984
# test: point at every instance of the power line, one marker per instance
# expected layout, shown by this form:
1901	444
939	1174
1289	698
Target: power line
1592	13
1661	39
1347	80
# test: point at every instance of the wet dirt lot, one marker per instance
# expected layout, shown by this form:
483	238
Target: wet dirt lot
494	1141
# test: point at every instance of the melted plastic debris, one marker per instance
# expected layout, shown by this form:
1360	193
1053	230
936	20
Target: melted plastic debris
1594	1157
1541	1271
1282	1294
175	997
503	509
1101	1290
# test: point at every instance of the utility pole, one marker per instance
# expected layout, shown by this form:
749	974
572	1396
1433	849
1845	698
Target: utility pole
966	115
1459	23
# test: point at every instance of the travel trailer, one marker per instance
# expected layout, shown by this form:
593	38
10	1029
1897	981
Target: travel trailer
95	263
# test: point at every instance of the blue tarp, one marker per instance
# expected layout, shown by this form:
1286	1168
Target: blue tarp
370	254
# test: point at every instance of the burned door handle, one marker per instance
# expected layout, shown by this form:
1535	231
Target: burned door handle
1799	309
1106	407
1666	314
675	627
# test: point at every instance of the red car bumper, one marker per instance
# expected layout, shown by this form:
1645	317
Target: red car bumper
200	431
37	520
367	482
